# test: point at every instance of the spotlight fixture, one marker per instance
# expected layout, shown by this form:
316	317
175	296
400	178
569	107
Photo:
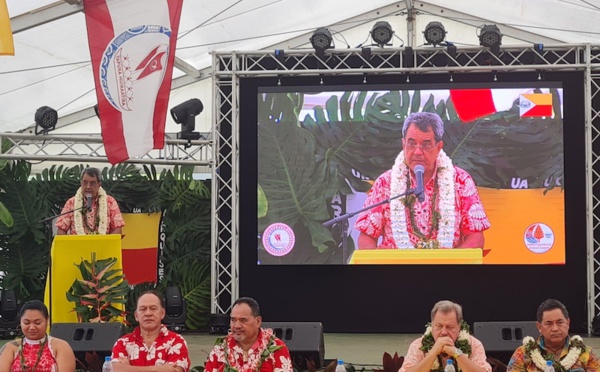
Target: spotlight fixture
435	33
185	114
175	310
490	37
382	33
321	39
45	120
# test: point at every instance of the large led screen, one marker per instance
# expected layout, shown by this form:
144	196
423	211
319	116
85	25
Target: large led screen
482	169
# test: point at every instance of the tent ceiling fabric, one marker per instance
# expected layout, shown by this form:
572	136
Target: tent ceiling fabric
51	66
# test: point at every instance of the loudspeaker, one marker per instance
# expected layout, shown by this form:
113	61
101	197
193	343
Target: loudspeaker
504	336
9	310
84	337
501	339
303	339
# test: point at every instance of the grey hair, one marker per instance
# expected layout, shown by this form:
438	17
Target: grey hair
424	121
446	307
92	172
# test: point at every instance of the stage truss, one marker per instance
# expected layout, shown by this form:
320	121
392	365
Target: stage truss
229	67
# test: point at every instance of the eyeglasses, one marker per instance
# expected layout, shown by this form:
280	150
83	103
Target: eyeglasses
425	146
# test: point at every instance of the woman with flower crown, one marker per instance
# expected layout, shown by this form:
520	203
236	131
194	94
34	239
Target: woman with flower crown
449	212
91	211
36	351
446	338
567	353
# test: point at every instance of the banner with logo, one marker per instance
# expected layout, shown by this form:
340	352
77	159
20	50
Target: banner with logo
7	46
132	45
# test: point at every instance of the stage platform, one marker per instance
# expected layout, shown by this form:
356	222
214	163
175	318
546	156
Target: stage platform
354	348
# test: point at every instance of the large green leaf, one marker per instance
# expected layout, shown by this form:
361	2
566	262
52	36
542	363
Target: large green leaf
295	184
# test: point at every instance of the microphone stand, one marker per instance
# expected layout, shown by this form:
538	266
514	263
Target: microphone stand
48	228
342	221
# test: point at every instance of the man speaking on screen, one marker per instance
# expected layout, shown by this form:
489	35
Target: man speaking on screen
444	212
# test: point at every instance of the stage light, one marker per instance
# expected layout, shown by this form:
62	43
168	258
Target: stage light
175	310
382	33
435	33
45	120
218	324
321	39
490	36
9	314
185	114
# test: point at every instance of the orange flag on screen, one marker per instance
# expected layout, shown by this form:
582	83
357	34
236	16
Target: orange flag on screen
7	46
535	104
471	104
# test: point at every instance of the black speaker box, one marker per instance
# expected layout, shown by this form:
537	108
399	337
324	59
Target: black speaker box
304	340
501	339
84	337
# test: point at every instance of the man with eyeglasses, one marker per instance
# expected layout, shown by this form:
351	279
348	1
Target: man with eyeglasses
93	211
554	345
248	347
448	214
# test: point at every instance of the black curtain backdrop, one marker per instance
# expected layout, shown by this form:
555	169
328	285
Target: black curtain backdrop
398	298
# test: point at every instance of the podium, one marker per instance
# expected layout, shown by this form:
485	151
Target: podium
454	256
67	251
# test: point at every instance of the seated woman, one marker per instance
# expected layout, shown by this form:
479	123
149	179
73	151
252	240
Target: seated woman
36	351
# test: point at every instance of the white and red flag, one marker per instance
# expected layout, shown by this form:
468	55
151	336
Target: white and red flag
132	44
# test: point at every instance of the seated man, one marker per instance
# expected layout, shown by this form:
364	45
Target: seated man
151	343
248	347
447	337
566	353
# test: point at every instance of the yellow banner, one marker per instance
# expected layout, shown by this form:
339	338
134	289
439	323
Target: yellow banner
7	46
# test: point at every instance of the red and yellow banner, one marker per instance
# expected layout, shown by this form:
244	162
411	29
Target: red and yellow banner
140	247
7	46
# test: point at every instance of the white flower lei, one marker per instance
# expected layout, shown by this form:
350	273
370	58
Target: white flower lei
567	362
445	178
102	212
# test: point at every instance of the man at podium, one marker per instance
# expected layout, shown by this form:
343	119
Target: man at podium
93	211
446	214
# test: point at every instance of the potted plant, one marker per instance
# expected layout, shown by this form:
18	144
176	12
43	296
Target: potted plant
100	289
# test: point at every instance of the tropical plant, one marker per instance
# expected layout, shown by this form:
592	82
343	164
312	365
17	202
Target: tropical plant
185	202
101	288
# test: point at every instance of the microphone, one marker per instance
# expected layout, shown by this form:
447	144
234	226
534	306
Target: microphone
420	189
88	201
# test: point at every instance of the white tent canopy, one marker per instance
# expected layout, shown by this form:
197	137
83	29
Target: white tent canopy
52	67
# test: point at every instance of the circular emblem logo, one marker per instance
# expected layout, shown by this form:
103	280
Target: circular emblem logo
539	238
278	239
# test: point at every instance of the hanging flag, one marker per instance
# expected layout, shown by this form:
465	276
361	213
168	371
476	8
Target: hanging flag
140	247
535	104
471	104
132	44
7	46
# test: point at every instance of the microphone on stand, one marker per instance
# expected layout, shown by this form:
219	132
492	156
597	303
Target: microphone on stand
88	201
420	189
